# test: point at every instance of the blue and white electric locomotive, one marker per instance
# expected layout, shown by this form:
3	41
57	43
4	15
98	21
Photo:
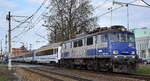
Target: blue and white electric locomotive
109	49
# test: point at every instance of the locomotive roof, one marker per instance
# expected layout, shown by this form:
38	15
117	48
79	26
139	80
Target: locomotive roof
109	30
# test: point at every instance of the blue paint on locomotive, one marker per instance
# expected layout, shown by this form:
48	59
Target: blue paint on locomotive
66	54
91	52
97	52
102	51
123	48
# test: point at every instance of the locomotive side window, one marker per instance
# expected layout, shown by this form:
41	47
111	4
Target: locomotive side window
75	44
90	41
114	37
131	38
123	37
67	45
98	39
104	38
80	43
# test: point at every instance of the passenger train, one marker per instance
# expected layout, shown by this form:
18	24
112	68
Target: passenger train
47	54
106	49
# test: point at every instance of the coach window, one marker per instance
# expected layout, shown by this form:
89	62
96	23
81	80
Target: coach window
44	53
51	52
39	54
80	43
55	51
75	44
90	41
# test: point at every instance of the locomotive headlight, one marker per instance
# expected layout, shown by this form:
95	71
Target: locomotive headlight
133	52
115	52
133	57
131	45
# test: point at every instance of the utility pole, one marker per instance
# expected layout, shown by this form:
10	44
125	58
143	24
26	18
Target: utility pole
6	44
127	5
1	48
128	22
30	47
8	17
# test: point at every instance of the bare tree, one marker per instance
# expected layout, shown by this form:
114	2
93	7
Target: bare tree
67	18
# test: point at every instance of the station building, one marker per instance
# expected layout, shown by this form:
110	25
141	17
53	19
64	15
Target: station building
19	51
142	36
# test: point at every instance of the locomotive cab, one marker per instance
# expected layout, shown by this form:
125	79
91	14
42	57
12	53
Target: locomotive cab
123	50
122	43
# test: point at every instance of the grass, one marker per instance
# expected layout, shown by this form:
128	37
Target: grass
143	69
3	78
5	74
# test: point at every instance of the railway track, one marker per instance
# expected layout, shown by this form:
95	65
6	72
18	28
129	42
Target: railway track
136	76
65	74
53	75
126	75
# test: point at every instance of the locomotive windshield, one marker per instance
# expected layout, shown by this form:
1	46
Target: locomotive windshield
122	37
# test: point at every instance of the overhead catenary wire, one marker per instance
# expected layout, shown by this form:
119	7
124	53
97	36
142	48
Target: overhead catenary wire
105	13
99	7
43	3
19	16
41	36
33	25
123	3
25	31
102	4
145	2
110	11
18	21
127	5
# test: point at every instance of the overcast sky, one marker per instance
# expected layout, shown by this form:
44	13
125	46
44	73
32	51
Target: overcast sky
138	16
